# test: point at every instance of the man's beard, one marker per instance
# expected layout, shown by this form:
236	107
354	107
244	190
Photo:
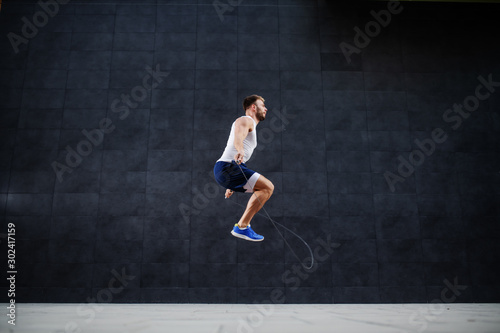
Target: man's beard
260	115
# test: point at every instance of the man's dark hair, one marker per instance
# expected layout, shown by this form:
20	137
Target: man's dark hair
249	100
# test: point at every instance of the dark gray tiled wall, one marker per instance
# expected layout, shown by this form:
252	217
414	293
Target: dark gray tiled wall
114	221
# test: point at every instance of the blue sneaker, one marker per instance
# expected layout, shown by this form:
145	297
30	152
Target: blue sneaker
247	234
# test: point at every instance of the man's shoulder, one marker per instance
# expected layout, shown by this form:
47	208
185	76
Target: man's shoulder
245	120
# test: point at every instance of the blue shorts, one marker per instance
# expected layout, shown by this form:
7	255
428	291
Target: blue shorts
229	175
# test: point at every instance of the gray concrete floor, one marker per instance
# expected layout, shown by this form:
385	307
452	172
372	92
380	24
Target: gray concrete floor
240	318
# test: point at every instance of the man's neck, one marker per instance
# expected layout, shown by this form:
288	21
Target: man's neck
252	115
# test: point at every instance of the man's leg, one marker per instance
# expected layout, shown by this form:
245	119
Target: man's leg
263	190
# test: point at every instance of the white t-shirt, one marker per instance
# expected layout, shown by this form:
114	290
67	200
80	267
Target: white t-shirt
249	144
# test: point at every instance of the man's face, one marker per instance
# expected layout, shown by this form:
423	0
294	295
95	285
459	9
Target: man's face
261	110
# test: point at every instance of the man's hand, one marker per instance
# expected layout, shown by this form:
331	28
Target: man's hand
238	158
228	193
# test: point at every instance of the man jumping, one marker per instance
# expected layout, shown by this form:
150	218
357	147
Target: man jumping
232	173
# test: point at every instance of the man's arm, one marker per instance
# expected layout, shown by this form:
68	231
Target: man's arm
242	126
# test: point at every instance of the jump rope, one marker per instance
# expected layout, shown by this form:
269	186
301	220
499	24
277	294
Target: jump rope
281	225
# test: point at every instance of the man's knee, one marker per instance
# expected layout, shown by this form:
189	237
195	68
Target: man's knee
271	187
264	185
